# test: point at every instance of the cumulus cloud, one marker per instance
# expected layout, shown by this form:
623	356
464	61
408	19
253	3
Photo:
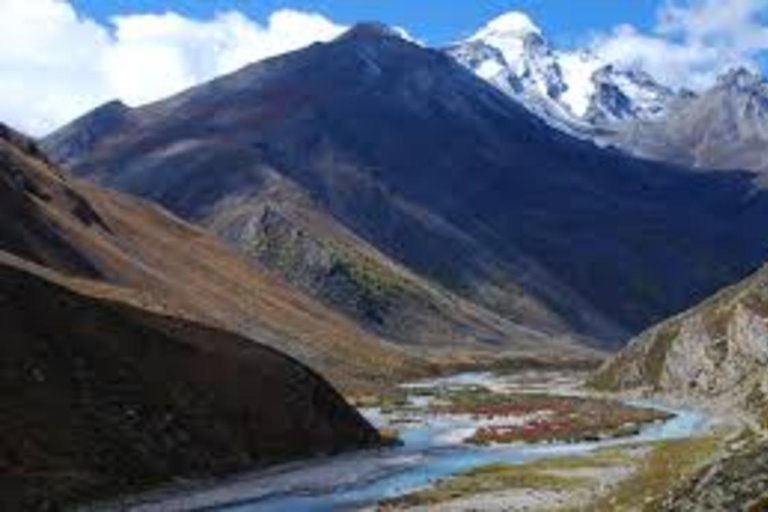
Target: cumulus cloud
56	64
693	41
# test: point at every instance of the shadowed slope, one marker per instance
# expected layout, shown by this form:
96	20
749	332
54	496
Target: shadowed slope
98	398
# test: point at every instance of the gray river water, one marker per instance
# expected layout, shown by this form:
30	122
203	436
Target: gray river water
431	449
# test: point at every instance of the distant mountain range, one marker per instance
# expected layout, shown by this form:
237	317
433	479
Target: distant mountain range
725	127
574	90
391	182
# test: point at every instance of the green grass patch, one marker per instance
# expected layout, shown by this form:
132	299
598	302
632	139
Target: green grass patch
488	479
544	474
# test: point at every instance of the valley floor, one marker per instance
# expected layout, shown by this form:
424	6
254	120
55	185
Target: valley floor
634	473
631	477
547	445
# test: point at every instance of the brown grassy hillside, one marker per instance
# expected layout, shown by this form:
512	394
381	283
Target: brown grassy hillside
98	397
162	263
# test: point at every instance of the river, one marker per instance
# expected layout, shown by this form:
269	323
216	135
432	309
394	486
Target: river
432	448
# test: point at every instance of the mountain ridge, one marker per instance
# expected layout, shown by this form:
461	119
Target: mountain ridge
162	263
367	51
346	122
724	127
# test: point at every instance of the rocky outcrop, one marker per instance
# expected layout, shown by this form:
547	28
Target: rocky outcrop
737	482
283	229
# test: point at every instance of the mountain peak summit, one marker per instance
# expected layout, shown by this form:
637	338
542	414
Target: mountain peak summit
511	24
740	78
371	30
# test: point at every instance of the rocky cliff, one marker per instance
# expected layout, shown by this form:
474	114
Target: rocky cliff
714	355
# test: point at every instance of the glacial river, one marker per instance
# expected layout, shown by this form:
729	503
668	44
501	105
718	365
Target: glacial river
431	449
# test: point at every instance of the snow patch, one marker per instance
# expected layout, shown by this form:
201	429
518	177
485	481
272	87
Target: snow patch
578	69
511	24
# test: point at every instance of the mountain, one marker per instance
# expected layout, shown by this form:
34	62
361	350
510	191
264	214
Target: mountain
584	95
715	354
160	262
575	91
104	388
725	127
373	138
279	218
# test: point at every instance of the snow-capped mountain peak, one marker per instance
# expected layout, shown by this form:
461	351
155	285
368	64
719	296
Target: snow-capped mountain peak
521	45
574	88
510	25
511	53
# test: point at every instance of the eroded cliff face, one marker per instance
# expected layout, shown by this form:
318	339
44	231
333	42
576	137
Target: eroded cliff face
715	354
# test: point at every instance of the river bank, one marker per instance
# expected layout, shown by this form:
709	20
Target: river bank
434	448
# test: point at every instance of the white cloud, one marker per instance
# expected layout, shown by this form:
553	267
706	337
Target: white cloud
55	64
693	41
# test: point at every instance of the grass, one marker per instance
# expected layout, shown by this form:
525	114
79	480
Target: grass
544	474
390	437
368	274
387	400
657	355
487	479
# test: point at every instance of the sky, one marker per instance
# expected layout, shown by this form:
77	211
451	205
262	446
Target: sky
436	22
61	58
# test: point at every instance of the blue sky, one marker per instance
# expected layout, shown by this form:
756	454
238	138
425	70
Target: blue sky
566	22
61	58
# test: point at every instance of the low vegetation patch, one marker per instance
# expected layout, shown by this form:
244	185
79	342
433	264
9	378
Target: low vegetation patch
486	479
545	474
549	418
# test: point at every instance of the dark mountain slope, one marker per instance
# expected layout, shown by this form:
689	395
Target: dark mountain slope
24	228
441	172
99	398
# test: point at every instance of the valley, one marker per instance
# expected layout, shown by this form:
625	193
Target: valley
365	271
438	463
